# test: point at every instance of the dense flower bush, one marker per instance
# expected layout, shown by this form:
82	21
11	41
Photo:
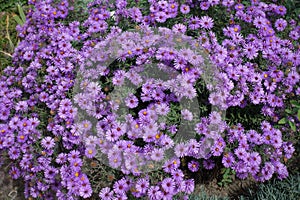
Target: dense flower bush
256	52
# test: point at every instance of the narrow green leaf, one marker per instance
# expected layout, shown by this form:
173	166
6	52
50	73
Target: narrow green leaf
282	121
18	20
288	111
298	114
295	103
21	12
292	125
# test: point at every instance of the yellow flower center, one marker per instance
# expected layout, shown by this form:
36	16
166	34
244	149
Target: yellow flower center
157	136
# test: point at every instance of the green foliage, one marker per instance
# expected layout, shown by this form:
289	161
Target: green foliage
227	176
249	116
291	115
21	18
275	190
204	196
293	8
8	39
9	5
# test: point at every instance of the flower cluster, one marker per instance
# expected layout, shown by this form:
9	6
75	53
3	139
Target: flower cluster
256	55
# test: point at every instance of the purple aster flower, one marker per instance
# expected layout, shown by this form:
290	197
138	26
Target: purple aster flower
162	109
187	115
168	185
267	171
157	154
90	152
179	28
142	185
206	22
14	153
154	193
280	24
48	142
280	10
50	172
250	51
193	166
14	172
181	150
85	192
106	194
194	23
61	158
28	55
208	164
177	175
119	187
163	4
204	5
184	9
160	17
280	169
189	186
241	153
228	160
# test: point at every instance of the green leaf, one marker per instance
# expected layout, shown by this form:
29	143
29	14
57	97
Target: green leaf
288	111
18	20
292	125
295	103
21	12
282	121
298	114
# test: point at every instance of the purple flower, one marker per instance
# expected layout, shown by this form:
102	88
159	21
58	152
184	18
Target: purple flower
184	9
241	153
179	28
106	194
168	185
119	187
228	160
48	142
160	17
154	193
267	171
204	5
189	186
187	115
193	166
206	22
181	150
157	154
280	24
90	152
85	192
131	101
142	185
14	172
208	164
177	175
194	23
14	153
